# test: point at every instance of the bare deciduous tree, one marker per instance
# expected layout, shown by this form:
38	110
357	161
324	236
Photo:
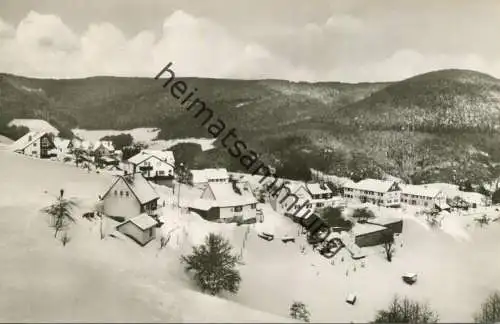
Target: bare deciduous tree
406	311
490	310
389	247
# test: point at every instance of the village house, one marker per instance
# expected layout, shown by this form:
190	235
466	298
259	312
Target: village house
141	229
200	178
102	148
154	166
423	196
61	149
106	161
35	144
129	196
289	197
452	193
78	144
227	202
378	192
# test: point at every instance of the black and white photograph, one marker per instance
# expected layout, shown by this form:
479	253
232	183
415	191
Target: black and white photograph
251	161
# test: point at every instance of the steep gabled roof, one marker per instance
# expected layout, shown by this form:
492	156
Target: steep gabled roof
139	187
202	176
315	189
420	190
167	156
225	196
27	140
141	157
143	221
371	185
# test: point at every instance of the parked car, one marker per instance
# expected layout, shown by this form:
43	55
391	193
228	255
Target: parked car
266	236
288	239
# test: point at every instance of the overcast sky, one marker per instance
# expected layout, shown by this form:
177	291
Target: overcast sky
344	40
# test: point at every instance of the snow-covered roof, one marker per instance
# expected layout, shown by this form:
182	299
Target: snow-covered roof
61	142
108	159
361	229
139	186
452	191
201	204
386	220
113	168
420	190
145	155
27	140
84	145
143	221
108	145
315	189
371	185
204	175
167	156
35	125
225	196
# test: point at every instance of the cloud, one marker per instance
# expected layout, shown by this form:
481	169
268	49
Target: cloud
43	46
342	48
409	62
345	24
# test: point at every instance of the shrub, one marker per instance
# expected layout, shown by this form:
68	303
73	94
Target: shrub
119	141
363	214
333	217
214	265
299	311
406	311
490	310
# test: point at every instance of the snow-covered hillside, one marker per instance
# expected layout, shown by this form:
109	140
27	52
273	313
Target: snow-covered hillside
205	143
90	279
5	140
145	135
116	280
35	125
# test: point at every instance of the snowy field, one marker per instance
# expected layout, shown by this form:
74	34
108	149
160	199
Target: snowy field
95	280
5	140
116	280
457	265
35	125
205	143
144	135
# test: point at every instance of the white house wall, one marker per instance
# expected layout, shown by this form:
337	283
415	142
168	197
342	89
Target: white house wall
121	206
157	167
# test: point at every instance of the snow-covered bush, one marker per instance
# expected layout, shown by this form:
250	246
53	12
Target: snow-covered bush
214	265
298	311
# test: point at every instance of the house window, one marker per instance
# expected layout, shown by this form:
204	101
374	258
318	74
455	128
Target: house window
121	193
116	193
150	232
319	205
237	209
253	206
126	193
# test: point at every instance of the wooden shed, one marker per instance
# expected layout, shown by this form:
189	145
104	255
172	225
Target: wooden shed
141	229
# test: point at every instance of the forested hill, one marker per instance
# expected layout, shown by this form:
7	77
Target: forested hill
445	123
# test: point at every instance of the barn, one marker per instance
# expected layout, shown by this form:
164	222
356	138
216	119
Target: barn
370	234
